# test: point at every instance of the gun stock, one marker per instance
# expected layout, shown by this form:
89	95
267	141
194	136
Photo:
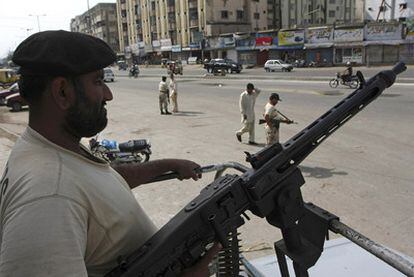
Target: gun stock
271	189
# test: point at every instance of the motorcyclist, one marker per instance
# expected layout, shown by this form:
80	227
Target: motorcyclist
347	73
134	70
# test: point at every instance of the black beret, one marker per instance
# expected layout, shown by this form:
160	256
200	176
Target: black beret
275	96
62	53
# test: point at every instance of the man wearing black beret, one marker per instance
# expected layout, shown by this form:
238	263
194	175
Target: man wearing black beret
64	212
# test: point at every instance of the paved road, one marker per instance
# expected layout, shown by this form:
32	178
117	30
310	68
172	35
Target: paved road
320	74
363	173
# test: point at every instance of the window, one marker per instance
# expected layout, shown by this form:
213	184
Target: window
332	1
240	14
224	14
256	15
331	13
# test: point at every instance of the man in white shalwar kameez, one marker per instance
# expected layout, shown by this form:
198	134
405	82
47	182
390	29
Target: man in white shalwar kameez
246	104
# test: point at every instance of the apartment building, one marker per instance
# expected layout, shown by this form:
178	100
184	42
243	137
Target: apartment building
99	21
164	25
386	10
285	14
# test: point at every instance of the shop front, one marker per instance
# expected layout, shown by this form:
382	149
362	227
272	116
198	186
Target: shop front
319	46
290	45
348	45
382	41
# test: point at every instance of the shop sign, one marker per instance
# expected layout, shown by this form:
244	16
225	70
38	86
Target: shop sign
156	44
249	42
319	35
344	35
194	45
295	37
264	41
383	32
224	42
165	44
176	48
141	44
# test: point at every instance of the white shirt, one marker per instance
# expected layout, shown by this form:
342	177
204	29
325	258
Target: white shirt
163	87
246	104
63	214
173	86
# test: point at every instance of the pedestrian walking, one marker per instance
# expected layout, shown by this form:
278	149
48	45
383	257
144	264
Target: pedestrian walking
246	104
273	119
163	96
173	93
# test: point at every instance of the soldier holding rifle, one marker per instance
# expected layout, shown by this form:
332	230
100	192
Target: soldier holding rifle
272	118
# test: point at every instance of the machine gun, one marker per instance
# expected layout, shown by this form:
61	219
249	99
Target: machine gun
270	189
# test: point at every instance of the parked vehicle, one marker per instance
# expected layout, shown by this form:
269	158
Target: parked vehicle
108	75
16	102
8	77
8	91
273	65
351	82
223	64
132	151
175	67
299	63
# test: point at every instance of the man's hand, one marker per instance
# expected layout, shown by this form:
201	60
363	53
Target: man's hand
187	169
200	269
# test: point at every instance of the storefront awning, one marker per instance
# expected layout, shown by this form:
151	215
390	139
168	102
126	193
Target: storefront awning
349	44
318	45
384	42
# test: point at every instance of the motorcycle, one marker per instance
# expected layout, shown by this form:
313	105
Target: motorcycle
134	72
132	151
351	82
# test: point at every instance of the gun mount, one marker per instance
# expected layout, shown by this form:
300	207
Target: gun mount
270	189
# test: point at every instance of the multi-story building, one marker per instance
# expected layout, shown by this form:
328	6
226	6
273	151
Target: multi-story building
284	14
386	10
99	21
155	25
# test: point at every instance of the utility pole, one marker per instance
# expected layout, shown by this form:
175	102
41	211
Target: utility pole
37	17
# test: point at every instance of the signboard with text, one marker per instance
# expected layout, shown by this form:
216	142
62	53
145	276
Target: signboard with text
383	32
346	35
319	35
293	37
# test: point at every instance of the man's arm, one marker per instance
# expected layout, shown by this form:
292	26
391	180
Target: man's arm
139	174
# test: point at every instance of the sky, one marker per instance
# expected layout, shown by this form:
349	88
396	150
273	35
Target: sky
16	24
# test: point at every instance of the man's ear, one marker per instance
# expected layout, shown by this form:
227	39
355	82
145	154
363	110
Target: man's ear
62	93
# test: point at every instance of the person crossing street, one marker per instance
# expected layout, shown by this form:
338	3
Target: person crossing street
246	104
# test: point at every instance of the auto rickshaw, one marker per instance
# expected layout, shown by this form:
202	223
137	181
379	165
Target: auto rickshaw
175	68
8	77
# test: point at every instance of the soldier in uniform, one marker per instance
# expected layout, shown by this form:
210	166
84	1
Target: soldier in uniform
246	104
163	96
273	119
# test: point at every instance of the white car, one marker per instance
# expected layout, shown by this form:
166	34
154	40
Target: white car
272	65
108	75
